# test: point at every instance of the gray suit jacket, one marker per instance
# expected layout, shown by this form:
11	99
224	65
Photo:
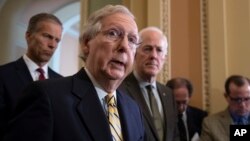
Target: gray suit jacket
131	85
216	127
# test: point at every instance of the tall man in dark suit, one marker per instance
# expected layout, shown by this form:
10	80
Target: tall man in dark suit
42	36
82	107
155	100
192	117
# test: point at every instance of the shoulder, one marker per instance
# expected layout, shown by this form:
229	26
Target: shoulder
122	94
10	65
53	74
166	92
10	68
197	110
126	100
78	81
130	78
163	87
217	116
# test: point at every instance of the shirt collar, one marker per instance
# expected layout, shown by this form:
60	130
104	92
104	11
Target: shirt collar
32	66
142	83
100	91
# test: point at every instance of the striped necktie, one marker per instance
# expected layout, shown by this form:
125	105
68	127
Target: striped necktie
113	117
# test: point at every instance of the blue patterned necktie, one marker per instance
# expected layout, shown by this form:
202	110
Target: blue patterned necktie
113	117
242	121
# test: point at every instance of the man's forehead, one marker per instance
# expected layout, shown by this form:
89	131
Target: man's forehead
234	87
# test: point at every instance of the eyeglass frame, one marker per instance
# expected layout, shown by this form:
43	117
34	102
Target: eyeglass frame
239	100
116	34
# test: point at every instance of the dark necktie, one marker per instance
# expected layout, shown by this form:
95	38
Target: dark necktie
182	129
155	112
41	74
113	118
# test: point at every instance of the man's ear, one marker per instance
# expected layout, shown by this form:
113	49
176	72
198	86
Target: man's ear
27	35
226	97
85	47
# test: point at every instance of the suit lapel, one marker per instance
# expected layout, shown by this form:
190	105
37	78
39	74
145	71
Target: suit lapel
225	121
124	116
92	119
190	122
163	97
23	71
52	74
135	92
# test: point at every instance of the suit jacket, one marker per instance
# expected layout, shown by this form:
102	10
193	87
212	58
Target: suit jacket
14	77
131	85
216	127
68	109
195	117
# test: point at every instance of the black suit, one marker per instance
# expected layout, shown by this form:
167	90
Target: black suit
68	109
14	77
131	85
195	117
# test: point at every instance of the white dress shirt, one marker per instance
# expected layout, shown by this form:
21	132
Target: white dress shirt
32	66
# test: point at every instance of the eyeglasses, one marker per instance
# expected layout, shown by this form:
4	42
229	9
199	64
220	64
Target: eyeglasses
115	34
147	49
239	100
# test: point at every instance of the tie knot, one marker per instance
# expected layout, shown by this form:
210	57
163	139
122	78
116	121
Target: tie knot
149	87
180	116
40	70
110	99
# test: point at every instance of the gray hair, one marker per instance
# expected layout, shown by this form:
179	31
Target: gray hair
94	25
156	29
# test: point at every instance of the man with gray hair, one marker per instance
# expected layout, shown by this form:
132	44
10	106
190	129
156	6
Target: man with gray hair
87	106
155	99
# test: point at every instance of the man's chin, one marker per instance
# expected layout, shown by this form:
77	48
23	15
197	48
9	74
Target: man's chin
117	75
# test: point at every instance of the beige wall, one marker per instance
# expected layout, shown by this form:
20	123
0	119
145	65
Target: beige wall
9	15
229	45
186	59
183	29
223	28
227	33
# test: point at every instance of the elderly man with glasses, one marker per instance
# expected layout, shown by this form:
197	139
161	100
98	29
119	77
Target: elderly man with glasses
87	106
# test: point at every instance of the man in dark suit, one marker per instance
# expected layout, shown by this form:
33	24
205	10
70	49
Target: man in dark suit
159	118
191	116
43	34
82	107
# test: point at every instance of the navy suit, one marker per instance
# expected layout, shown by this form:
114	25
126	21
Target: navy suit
195	117
14	77
131	85
68	109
